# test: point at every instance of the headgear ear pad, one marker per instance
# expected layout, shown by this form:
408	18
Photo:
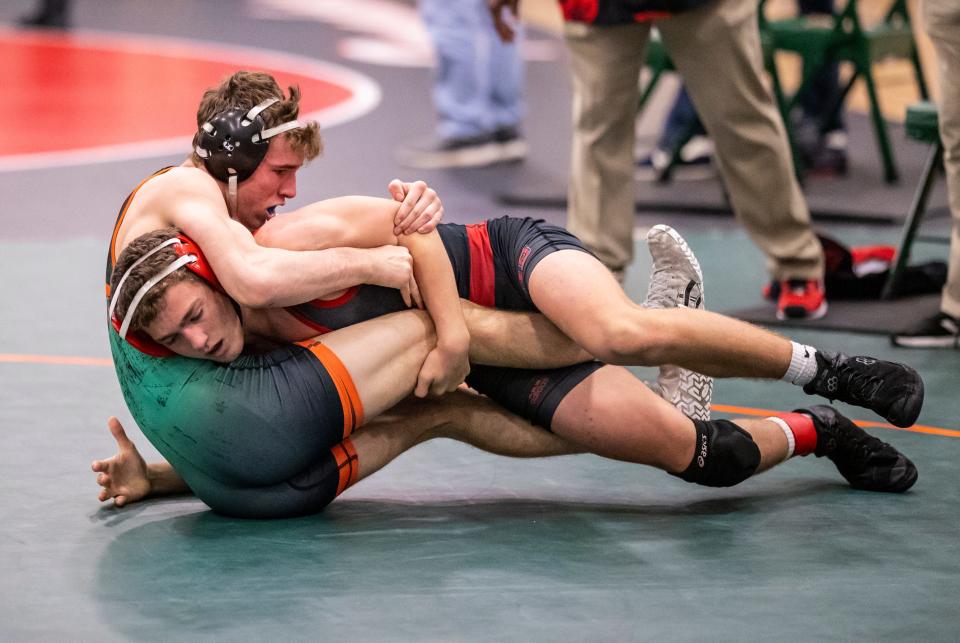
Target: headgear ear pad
199	266
232	144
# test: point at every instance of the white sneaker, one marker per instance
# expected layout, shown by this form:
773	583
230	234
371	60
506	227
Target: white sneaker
676	280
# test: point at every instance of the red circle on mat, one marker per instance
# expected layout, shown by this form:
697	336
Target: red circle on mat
68	91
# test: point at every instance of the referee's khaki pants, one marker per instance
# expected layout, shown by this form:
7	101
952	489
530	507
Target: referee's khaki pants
716	48
942	18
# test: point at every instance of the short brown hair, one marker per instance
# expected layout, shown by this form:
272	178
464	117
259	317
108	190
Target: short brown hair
246	89
149	306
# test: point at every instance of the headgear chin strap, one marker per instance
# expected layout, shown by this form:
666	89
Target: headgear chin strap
233	143
188	254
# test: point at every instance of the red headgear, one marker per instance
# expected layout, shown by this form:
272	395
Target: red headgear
189	255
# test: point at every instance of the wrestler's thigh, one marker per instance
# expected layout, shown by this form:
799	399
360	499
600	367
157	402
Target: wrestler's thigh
383	356
576	292
613	414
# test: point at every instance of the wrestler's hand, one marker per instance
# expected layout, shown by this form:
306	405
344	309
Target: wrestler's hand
502	24
392	267
123	476
442	372
420	207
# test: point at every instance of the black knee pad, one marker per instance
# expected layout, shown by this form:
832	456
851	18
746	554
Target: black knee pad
725	455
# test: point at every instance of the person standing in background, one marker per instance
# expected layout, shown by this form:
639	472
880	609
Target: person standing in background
942	329
715	45
53	14
820	133
477	92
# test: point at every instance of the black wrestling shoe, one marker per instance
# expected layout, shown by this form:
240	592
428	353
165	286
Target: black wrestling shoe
865	461
893	391
939	331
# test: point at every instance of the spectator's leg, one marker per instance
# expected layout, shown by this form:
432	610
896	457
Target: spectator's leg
717	49
942	18
606	65
461	88
505	71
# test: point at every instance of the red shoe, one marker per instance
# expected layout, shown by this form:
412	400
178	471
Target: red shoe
801	299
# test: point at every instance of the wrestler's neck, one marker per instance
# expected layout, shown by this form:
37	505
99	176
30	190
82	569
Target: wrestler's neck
257	335
272	323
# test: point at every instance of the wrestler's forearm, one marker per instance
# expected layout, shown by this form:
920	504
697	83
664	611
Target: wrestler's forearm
353	221
267	277
164	480
438	287
359	229
363	222
518	339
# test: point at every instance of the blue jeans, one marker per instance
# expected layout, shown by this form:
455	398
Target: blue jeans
682	122
478	87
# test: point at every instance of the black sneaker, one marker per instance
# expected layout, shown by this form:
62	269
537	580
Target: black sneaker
513	147
474	151
865	461
893	391
52	18
938	331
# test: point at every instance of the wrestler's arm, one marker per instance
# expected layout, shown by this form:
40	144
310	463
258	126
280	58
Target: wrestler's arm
127	478
497	338
365	222
447	365
261	277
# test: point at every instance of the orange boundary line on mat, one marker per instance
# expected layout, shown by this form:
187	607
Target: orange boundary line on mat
66	360
916	428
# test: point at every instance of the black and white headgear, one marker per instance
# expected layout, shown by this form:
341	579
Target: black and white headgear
233	143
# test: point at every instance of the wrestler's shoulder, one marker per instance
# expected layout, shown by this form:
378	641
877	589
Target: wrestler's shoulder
182	180
161	200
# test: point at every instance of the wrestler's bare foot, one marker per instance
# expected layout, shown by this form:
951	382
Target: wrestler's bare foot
676	280
123	476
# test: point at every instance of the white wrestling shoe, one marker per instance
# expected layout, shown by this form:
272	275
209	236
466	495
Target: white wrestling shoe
676	280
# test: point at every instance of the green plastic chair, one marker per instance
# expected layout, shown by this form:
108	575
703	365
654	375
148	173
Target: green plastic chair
844	39
658	61
921	125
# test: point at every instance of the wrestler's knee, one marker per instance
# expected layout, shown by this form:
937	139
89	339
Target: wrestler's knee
724	455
